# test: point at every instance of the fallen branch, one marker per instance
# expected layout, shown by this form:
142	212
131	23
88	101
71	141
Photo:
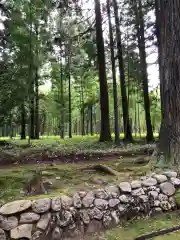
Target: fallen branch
101	168
158	233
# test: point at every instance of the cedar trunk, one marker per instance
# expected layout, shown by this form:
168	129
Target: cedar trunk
105	134
170	82
115	95
126	122
144	75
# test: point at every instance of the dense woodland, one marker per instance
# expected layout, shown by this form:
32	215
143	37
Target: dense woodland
92	55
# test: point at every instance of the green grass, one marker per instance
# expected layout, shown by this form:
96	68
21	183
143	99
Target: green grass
134	229
72	178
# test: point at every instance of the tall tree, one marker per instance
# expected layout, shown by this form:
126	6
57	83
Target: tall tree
139	19
115	95
127	126
170	82
105	134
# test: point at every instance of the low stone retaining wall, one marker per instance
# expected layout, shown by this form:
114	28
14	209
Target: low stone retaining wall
71	218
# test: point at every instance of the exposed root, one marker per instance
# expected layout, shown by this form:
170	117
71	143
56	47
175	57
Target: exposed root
101	168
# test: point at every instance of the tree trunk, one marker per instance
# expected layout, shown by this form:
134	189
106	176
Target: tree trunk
23	122
115	95
91	120
126	123
105	134
36	105
69	93
144	75
62	100
170	82
158	26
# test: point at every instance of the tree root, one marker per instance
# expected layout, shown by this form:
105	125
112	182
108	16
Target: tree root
158	233
102	169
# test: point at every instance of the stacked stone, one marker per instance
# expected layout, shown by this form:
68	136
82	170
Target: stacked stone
87	212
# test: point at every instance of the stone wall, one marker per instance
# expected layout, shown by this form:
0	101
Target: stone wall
73	217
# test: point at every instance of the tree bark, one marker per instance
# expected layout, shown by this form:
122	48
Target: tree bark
23	122
105	134
158	26
36	105
115	95
137	6
170	82
126	123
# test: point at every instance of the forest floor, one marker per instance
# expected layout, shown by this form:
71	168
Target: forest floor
135	228
61	163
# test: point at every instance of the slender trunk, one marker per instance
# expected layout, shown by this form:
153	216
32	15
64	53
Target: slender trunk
62	100
91	120
23	122
69	93
105	134
36	82
126	123
170	82
144	75
36	105
115	96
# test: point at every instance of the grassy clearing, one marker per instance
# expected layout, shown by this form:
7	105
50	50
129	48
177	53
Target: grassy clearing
65	178
136	228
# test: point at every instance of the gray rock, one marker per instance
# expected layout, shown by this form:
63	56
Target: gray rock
115	217
124	199
107	220
149	182
77	200
41	205
157	209
172	202
136	184
57	233
175	181
66	219
101	193
162	197
167	188
156	203
160	178
56	204
122	208
95	213
143	198
114	202
125	187
44	221
2	234
36	235
15	207
152	188
85	217
170	174
153	195
8	223
22	231
165	205
113	191
66	202
29	217
82	194
101	204
138	192
88	199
